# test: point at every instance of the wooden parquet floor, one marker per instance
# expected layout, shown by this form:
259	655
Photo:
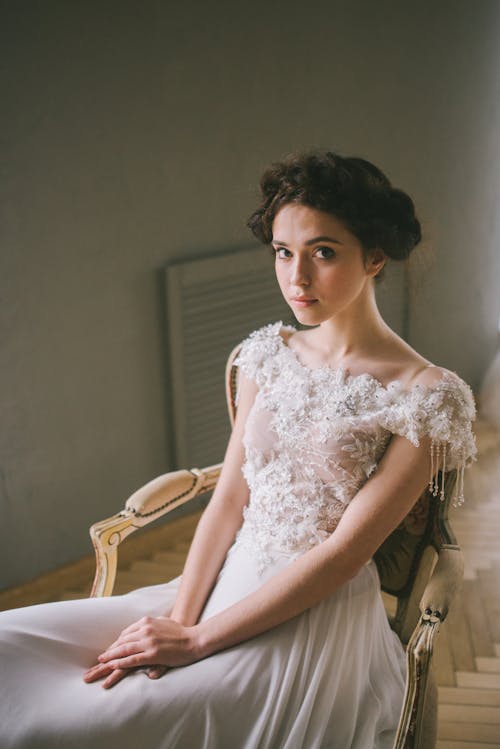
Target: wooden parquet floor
467	653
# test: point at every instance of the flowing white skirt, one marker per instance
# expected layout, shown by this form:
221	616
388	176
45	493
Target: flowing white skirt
331	678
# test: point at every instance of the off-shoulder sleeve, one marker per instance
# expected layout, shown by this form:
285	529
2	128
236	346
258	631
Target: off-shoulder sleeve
255	354
443	411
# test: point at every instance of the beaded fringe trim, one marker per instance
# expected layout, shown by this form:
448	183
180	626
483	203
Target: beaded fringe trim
438	463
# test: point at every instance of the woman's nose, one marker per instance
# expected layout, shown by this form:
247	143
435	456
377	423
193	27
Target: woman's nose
300	273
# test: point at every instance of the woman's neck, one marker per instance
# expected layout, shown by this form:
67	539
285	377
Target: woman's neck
360	329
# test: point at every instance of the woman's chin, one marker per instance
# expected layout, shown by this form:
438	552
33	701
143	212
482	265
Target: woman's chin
306	315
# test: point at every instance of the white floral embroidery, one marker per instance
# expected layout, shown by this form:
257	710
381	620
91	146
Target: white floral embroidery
314	436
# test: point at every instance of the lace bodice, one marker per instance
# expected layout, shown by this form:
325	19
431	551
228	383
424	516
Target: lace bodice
314	436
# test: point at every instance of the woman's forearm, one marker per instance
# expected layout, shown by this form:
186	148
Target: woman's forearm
219	523
214	535
305	582
376	510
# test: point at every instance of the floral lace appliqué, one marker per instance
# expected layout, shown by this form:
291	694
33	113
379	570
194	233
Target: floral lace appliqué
314	436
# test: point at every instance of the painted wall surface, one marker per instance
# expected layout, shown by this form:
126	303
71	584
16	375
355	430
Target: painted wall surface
135	133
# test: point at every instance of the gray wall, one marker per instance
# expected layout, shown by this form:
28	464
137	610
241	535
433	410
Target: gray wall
134	133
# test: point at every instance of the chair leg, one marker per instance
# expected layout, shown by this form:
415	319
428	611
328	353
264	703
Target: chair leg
106	537
418	723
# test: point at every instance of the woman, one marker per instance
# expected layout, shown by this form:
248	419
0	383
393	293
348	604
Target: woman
275	635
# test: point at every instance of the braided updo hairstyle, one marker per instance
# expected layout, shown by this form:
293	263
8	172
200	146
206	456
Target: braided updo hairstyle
351	189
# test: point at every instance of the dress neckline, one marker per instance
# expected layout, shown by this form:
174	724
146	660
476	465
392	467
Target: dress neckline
343	373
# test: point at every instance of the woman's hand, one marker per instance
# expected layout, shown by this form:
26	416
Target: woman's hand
156	642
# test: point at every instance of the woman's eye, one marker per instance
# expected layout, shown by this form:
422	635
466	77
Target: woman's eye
327	252
284	253
279	250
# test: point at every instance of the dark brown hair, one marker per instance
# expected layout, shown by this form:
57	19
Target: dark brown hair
351	189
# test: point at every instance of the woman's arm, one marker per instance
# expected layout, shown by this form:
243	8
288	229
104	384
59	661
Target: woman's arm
214	534
376	510
220	521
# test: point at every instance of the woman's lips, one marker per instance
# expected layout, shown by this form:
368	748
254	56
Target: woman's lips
303	302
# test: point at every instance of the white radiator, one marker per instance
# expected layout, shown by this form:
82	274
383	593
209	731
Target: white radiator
212	304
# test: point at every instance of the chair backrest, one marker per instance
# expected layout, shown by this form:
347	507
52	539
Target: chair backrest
406	558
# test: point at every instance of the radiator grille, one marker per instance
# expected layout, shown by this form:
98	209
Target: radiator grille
212	304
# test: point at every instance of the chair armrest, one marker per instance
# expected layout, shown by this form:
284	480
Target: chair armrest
150	502
444	584
170	490
438	595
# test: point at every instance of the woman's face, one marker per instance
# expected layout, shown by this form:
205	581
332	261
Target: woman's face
317	258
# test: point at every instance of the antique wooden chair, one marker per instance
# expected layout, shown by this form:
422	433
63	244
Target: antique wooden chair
420	564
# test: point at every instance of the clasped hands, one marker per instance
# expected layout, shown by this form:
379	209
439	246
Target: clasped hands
153	643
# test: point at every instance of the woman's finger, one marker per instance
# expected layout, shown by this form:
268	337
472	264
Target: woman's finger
156	672
131	637
133	661
125	633
117	675
144	625
97	672
128	648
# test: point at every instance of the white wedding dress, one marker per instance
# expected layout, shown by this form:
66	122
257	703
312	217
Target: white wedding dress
332	677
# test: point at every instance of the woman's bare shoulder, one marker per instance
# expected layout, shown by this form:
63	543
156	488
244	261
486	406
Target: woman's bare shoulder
430	375
400	361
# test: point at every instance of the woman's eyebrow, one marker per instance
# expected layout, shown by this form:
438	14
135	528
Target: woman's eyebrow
314	240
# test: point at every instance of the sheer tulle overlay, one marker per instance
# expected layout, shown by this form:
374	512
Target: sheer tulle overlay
332	677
